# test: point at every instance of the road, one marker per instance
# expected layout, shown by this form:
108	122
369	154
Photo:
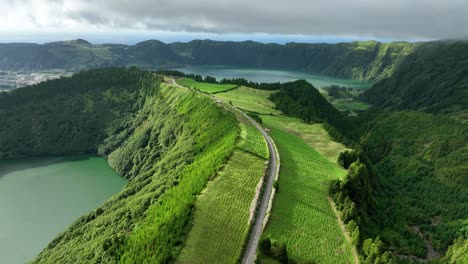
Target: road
257	229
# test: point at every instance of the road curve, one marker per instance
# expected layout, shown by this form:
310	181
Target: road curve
262	210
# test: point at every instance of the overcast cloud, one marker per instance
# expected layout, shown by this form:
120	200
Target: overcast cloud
394	19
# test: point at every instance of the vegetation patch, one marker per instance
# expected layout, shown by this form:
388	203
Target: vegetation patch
205	87
250	99
252	141
314	135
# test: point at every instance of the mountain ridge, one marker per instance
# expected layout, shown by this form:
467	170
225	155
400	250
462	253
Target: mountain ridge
338	60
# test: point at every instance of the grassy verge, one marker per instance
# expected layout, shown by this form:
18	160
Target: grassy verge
205	87
253	142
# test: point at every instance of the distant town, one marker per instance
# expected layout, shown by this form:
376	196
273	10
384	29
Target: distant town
12	80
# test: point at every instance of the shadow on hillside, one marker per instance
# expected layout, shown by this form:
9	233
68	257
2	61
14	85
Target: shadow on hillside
15	165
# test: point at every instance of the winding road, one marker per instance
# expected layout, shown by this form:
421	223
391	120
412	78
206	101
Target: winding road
257	229
262	210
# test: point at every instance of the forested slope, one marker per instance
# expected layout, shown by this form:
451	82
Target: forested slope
421	166
167	142
433	78
409	172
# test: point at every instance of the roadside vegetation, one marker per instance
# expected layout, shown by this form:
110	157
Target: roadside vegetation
222	212
252	141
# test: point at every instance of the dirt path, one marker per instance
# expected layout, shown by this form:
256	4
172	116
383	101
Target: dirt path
251	250
431	252
343	229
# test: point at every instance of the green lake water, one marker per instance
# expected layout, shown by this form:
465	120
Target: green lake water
41	197
269	76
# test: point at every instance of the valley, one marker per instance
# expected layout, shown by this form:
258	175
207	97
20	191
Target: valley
364	156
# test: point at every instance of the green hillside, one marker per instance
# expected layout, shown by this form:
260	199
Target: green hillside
421	164
167	141
433	78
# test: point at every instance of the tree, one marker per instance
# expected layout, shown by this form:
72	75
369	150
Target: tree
276	186
265	246
283	254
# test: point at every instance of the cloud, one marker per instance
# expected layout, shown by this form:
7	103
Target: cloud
399	19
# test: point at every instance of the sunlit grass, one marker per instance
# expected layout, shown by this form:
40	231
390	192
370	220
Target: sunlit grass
314	135
205	87
253	100
252	141
301	215
222	212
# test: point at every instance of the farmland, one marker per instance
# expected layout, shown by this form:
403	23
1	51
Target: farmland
205	87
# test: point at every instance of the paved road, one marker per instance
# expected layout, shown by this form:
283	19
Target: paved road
256	231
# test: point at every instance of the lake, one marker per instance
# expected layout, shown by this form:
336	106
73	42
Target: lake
263	75
41	197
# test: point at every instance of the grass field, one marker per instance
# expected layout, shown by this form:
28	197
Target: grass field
313	134
221	219
254	100
205	87
301	214
347	103
252	141
222	212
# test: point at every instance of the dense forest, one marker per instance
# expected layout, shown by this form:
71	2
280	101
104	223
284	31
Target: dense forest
433	78
167	142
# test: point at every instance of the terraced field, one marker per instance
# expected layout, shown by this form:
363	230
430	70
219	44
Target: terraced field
205	87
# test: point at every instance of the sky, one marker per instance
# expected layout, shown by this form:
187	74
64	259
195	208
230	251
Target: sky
279	21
